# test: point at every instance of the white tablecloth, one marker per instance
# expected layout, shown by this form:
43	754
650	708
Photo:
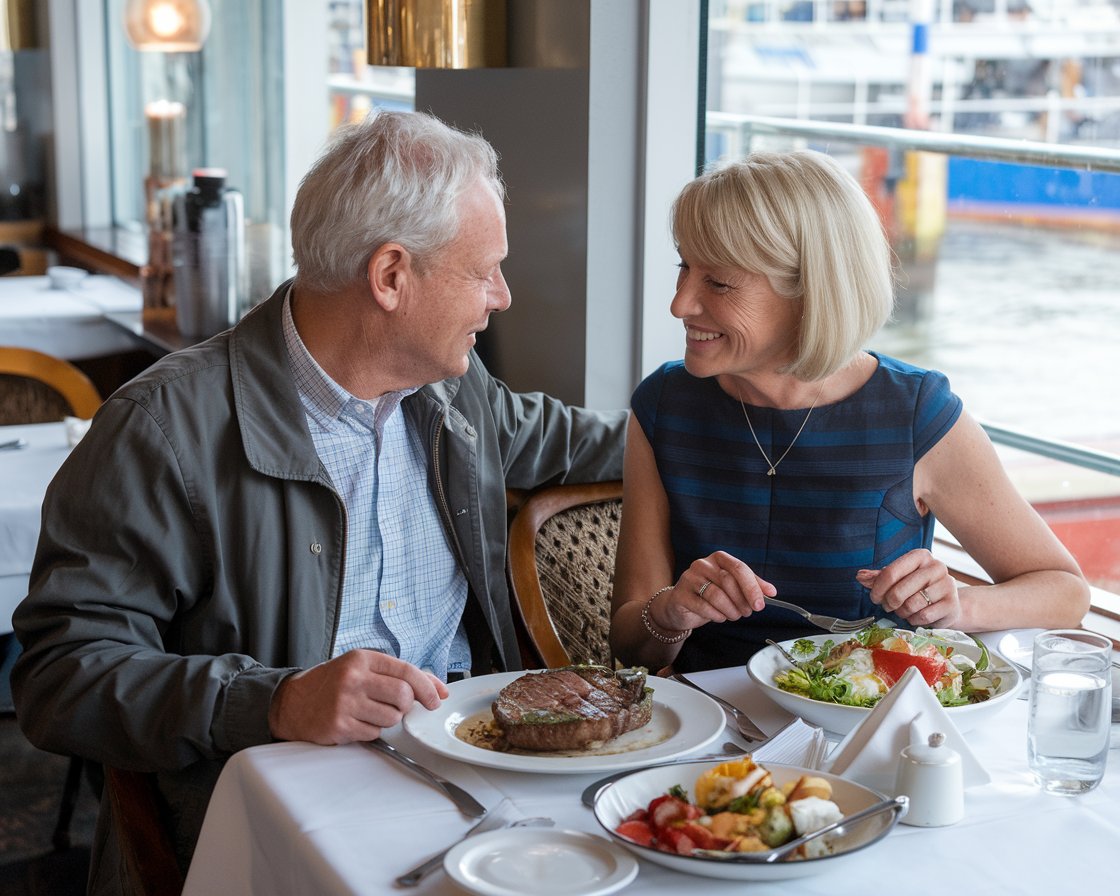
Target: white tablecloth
297	819
25	474
67	323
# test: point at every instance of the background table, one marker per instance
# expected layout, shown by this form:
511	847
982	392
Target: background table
25	474
296	819
66	323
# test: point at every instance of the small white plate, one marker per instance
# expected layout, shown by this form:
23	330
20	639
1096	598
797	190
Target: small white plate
683	720
542	861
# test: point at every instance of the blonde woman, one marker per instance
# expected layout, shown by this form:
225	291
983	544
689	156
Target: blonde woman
780	458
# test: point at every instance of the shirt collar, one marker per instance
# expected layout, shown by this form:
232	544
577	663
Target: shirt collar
323	399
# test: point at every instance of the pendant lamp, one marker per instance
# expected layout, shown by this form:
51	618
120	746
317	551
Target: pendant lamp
436	33
167	26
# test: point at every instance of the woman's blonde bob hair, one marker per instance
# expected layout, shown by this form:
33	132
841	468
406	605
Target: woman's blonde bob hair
803	222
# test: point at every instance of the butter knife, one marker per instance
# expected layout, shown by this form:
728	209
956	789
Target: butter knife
467	804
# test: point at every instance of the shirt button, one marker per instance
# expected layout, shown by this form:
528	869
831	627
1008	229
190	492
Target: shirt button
388	605
316	548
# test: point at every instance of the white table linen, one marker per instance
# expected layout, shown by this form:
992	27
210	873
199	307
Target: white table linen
296	819
66	323
25	474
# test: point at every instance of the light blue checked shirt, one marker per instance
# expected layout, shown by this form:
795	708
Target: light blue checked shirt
403	593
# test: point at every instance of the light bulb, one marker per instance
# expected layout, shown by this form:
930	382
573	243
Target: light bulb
167	26
166	20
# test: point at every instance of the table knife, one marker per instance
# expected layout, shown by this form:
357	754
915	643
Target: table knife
467	804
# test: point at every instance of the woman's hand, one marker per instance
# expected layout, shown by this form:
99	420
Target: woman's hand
716	588
917	586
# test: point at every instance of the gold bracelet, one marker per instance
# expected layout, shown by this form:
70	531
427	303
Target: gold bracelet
676	639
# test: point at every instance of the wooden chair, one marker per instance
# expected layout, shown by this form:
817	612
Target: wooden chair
145	844
561	566
40	388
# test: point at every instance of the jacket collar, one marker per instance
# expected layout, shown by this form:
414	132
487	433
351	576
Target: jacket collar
273	425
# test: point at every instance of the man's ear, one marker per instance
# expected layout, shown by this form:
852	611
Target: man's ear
387	272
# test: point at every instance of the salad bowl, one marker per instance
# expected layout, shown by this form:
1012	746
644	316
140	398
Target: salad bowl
840	719
616	801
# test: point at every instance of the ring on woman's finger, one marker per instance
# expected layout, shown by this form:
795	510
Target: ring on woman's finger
704	587
922	592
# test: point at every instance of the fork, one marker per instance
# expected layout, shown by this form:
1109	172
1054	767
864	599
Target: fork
748	729
829	623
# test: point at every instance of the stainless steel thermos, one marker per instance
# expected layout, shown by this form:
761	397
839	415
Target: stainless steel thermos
208	255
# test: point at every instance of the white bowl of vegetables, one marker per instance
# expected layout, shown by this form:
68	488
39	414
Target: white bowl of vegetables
834	680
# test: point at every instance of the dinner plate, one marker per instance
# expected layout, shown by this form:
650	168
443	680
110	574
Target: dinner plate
542	861
635	791
683	720
841	719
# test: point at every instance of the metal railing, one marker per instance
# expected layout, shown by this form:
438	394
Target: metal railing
1052	155
1030	152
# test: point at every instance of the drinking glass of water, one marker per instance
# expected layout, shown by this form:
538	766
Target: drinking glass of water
1070	710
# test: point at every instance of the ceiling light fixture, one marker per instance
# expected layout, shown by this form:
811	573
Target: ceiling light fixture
167	26
436	33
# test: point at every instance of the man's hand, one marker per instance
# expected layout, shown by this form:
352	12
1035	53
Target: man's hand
350	698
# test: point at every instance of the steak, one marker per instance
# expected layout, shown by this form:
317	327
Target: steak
572	708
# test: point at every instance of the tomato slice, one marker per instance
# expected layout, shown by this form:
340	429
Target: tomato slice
675	840
890	665
638	831
703	837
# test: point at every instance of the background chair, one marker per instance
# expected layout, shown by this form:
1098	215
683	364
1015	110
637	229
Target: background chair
562	544
40	388
145	844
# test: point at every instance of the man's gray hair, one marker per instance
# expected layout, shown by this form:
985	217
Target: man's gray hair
394	177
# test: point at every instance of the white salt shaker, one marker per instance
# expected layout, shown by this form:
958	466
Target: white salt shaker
932	776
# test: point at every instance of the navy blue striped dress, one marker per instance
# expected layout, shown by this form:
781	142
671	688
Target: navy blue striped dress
841	500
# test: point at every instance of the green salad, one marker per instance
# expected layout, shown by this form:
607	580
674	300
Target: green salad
860	670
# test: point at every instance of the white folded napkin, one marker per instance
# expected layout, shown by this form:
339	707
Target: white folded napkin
798	743
908	714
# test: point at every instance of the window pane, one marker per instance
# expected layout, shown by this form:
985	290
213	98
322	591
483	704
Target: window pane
1008	275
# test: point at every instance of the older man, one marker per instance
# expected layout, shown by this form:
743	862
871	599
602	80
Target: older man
296	530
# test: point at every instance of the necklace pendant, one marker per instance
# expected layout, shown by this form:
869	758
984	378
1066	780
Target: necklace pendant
770	472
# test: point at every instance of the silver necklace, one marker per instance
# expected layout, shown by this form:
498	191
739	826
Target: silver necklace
773	464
